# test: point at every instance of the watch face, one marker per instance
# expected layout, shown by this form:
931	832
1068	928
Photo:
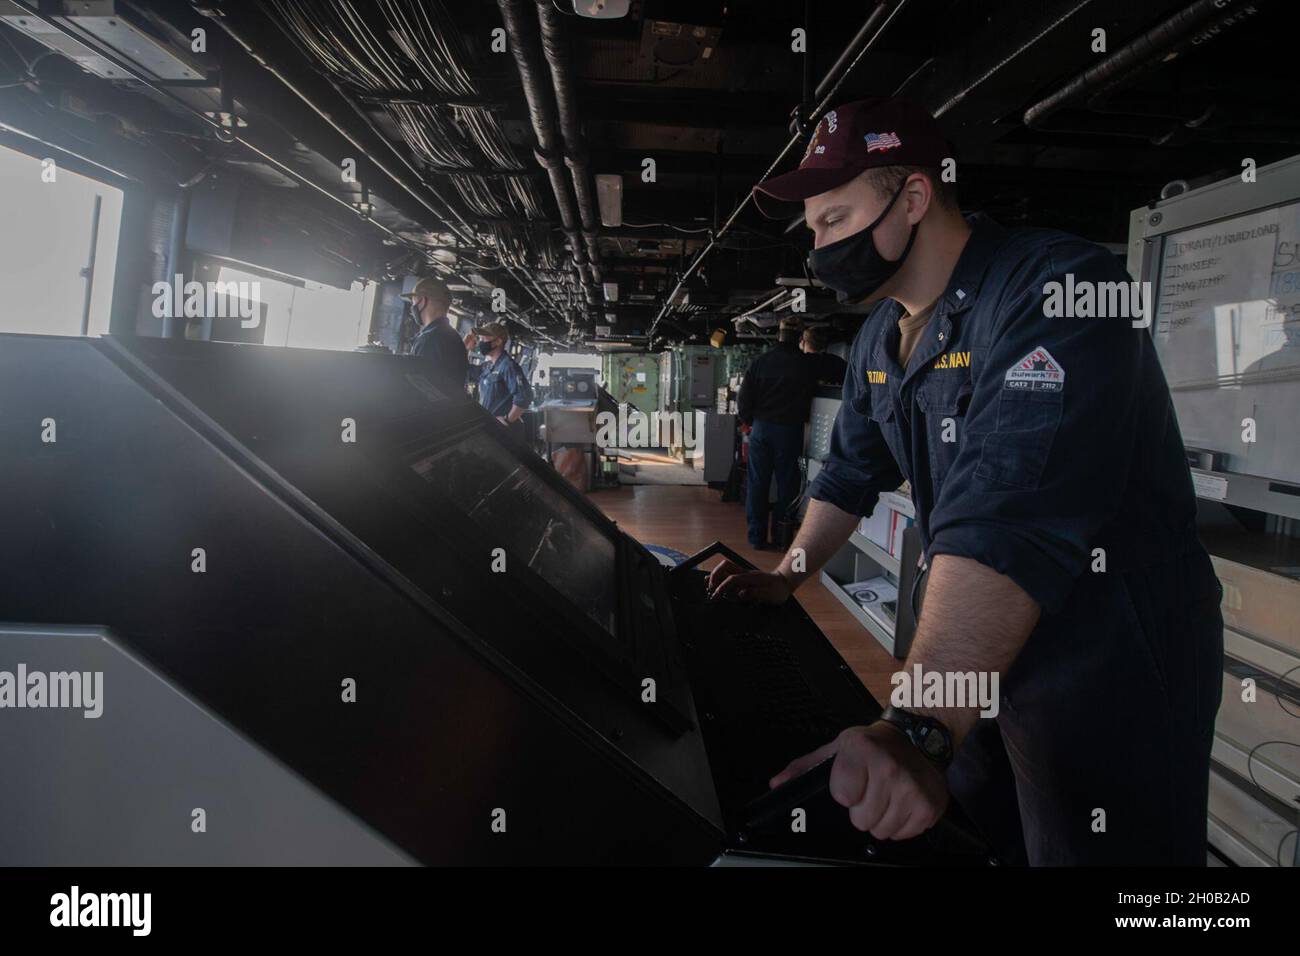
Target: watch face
932	742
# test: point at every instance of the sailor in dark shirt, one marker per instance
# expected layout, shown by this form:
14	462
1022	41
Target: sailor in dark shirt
774	398
437	344
828	369
1055	509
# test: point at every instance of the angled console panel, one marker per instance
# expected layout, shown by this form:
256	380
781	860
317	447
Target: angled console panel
102	526
435	497
139	773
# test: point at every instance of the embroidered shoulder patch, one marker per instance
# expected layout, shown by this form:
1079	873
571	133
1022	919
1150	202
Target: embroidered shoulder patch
1037	371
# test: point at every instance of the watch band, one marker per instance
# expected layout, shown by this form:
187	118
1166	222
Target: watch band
927	734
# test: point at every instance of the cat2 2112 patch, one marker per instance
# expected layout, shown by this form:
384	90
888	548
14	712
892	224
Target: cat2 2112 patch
1037	372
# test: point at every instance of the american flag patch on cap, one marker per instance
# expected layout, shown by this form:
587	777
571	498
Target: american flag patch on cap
877	141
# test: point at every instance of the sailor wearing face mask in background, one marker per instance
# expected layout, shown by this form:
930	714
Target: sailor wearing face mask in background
1055	508
503	387
437	344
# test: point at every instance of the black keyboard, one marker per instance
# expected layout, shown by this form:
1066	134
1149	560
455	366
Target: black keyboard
768	688
770	669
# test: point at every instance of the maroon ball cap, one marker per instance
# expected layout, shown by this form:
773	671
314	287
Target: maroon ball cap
849	139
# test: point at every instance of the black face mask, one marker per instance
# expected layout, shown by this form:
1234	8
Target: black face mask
485	348
853	266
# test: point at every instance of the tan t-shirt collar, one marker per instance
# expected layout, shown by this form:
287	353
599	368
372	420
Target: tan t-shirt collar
910	328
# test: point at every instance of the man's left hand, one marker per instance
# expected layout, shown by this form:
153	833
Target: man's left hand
890	789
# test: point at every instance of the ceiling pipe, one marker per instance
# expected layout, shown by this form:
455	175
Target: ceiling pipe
556	50
881	16
849	58
442	208
1202	20
461	227
541	113
802	120
164	93
995	58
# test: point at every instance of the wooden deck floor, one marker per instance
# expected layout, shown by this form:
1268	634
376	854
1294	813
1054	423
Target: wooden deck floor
688	518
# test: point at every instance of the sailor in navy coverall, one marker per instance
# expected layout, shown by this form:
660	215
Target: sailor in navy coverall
1055	509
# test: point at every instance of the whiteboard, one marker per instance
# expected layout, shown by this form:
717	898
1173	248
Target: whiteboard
1227	330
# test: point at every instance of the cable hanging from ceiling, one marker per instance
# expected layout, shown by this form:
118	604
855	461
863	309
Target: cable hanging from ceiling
414	56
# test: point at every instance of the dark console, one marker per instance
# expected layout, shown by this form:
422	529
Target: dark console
370	592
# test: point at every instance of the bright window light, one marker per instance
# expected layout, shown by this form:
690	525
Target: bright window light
45	234
311	317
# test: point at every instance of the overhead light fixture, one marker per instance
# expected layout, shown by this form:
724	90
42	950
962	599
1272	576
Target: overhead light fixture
364	207
609	197
789	282
611	291
98	25
601	9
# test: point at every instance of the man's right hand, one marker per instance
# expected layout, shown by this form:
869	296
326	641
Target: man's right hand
730	580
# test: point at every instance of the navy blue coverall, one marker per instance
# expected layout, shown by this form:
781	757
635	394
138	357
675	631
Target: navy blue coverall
502	384
441	348
1047	449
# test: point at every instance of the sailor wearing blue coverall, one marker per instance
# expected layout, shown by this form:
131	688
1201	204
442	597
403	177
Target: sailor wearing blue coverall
503	387
1055	508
